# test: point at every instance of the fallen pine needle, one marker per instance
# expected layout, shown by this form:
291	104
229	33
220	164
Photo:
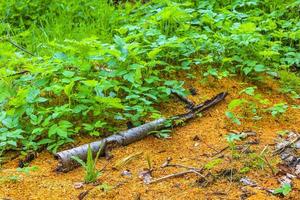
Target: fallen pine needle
174	175
127	160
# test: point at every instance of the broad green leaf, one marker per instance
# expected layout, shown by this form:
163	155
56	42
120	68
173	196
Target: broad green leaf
232	137
235	103
231	116
110	102
249	90
285	189
68	74
213	163
90	83
68	88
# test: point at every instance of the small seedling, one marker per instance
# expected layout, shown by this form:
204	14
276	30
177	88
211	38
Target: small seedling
282	132
27	170
11	178
285	189
249	90
245	170
293	106
232	117
149	163
231	138
231	106
105	187
91	173
213	163
278	109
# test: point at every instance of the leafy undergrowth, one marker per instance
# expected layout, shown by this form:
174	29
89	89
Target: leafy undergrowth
71	72
193	144
89	72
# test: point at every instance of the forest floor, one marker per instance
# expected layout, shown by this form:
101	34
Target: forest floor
192	144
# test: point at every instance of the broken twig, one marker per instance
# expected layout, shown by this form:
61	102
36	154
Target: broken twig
175	175
19	47
190	104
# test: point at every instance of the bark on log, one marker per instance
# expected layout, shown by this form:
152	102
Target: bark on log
66	163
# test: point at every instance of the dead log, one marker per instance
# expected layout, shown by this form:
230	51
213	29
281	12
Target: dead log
66	163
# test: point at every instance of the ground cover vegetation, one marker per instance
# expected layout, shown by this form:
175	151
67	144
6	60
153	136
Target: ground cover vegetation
86	68
96	65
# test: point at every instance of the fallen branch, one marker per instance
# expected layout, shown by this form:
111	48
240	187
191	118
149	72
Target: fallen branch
190	104
66	163
19	47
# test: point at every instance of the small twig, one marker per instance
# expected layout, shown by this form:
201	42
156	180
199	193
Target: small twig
209	146
119	184
245	149
190	103
17	73
263	151
186	167
175	175
269	165
20	47
167	164
104	167
222	150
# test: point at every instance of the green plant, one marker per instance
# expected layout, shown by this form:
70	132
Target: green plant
231	138
27	170
230	108
213	163
282	132
105	187
249	90
278	109
285	189
10	178
290	82
165	133
91	173
94	68
245	170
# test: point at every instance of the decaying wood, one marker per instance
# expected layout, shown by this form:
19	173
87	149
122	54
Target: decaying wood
66	163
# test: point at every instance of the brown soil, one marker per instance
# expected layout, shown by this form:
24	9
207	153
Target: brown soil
181	147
